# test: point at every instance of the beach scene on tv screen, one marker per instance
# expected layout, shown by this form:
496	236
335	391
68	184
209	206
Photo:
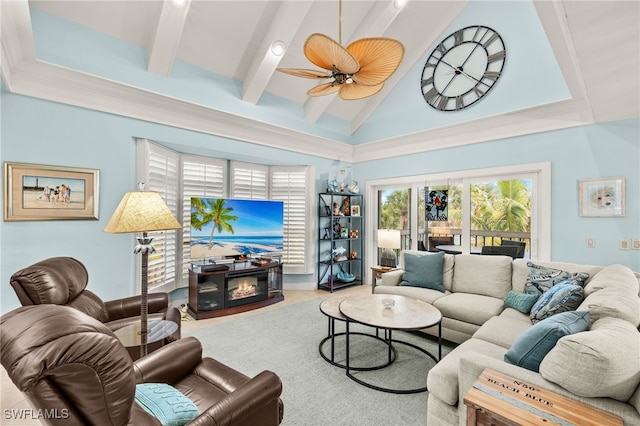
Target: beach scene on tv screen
224	227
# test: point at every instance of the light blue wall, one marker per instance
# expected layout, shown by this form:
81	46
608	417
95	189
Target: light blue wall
595	151
42	132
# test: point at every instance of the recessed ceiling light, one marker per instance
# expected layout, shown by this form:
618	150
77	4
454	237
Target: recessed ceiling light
399	4
278	47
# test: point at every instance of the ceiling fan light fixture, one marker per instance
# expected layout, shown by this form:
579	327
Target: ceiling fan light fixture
278	47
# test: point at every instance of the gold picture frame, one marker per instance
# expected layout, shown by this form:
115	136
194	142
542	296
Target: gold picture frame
40	192
602	197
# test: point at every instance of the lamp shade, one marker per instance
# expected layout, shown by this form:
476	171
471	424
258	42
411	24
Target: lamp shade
389	238
141	211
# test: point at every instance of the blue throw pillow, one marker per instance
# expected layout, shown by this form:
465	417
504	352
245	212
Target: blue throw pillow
562	297
534	344
424	270
166	403
520	301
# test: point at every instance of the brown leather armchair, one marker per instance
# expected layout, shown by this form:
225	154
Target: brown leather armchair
72	367
63	281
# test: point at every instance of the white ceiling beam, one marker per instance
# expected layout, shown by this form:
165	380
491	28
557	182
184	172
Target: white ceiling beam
284	27
167	38
377	21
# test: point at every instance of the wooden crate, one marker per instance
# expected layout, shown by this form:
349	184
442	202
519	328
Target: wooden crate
499	400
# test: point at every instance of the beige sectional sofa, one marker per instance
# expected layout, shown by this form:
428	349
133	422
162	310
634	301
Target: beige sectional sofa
599	367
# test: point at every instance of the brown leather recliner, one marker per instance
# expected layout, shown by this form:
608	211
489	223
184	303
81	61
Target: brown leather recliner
63	281
72	367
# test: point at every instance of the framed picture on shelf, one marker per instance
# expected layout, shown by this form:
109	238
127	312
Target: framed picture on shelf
40	192
601	197
355	210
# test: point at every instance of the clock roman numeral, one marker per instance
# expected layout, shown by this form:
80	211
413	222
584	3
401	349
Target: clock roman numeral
458	37
442	103
459	102
431	96
490	40
479	93
491	75
427	82
442	49
496	56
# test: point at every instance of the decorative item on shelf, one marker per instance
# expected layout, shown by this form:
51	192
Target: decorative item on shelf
336	210
347	207
142	211
344	232
332	185
330	281
353	187
341	186
355	210
389	239
326	233
353	233
339	254
353	255
337	228
346	277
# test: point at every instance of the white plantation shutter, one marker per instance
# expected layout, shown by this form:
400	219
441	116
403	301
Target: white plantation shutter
289	184
201	177
161	174
249	181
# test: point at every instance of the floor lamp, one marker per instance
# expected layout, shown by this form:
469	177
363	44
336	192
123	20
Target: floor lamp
142	211
388	239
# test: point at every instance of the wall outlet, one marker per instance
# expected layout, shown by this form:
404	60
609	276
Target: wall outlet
624	244
635	244
590	242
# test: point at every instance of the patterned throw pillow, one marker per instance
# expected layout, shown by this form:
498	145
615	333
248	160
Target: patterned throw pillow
562	297
542	278
166	403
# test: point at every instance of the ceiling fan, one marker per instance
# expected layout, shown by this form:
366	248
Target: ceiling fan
357	72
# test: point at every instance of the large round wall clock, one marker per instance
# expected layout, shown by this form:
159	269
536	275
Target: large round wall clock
463	68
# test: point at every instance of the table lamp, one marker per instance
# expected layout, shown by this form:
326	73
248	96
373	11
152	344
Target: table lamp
389	239
142	211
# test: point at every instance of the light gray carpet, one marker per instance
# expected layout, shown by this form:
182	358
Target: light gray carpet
315	392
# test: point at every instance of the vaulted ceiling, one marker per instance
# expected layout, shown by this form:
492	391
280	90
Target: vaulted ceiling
207	65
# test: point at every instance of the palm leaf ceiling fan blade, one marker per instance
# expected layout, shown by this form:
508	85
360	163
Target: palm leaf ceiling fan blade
326	53
379	58
351	92
299	72
324	89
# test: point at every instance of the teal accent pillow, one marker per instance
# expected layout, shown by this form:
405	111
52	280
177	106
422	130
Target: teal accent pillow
424	270
534	344
562	297
542	278
520	301
166	403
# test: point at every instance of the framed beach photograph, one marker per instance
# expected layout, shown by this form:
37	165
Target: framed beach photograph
355	210
41	192
602	197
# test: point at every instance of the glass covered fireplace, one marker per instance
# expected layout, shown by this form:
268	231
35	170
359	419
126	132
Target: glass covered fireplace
245	288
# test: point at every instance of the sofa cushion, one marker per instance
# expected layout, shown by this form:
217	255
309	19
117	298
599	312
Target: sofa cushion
503	330
442	380
522	302
424	270
562	297
592	364
483	275
612	302
534	344
470	308
542	278
614	276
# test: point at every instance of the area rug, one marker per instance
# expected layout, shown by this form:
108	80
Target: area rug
285	341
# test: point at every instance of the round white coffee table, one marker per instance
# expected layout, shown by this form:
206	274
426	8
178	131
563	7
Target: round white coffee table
406	314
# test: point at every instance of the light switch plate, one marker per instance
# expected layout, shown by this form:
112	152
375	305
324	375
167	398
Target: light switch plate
624	244
590	242
636	244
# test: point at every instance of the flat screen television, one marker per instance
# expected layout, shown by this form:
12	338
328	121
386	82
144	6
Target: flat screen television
232	228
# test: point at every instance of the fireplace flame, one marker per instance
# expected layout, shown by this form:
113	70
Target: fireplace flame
243	290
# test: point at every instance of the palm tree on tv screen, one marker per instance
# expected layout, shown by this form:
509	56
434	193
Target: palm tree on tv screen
212	211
